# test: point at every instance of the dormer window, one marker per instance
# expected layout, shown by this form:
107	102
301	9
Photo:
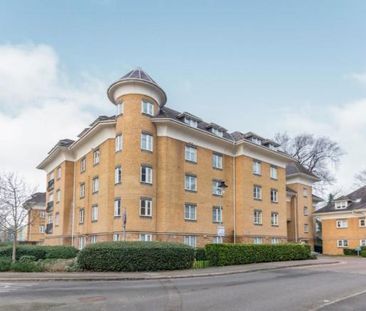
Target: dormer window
217	132
272	147
340	204
190	122
256	141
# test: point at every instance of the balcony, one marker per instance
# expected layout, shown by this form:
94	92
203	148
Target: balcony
49	207
49	228
50	185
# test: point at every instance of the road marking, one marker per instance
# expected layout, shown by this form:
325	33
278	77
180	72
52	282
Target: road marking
338	300
8	287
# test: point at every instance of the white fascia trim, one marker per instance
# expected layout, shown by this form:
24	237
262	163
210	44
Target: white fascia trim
61	154
340	215
239	148
301	178
91	131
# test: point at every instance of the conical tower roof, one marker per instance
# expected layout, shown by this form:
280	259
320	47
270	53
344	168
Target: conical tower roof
137	76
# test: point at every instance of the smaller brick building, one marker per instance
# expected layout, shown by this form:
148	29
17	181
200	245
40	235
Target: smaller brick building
36	207
343	222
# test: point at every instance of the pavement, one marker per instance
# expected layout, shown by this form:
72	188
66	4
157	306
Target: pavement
339	285
124	276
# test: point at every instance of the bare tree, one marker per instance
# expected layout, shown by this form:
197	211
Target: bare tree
360	178
317	154
14	192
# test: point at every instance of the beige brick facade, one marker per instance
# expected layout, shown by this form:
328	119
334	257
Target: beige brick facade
167	221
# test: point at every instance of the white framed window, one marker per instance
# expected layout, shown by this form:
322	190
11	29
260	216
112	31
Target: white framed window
362	242
94	215
257	217
257	240
217	161
190	183
275	241
190	154
82	242
116	236
362	222
217	132
146	237
217	187
274	195
306	228
118	142
81	215
305	192
190	211
117	175
82	165
342	243
317	227
146	142
42	214
340	205
57	219
147	107
306	211
50	197
146	175
217	214
119	109
95	184
273	172
190	240
274	219
218	240
58	195
96	157
93	239
190	122
117	207
59	172
42	229
342	223
49	219
82	190
51	175
146	207
257	192
257	167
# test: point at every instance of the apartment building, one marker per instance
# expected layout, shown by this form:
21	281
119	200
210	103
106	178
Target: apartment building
152	173
36	220
343	222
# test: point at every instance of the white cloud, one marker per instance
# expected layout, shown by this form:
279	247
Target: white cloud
345	124
358	77
39	106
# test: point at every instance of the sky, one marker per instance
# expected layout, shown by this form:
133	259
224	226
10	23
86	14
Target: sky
262	66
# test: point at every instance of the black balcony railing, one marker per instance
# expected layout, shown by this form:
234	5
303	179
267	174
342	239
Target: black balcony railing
49	228
49	207
50	185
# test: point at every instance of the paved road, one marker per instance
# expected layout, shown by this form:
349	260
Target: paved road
333	287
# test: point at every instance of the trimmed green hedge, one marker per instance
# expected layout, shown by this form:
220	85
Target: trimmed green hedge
363	253
40	251
5	264
200	254
237	254
349	252
136	256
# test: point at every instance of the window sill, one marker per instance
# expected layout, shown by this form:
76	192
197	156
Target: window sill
257	224
191	162
95	164
255	199
192	191
145	183
190	220
275	179
117	216
145	150
218	168
217	195
256	174
93	221
146	216
275	226
273	202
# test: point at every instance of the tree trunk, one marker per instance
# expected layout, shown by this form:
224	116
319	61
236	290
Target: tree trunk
14	255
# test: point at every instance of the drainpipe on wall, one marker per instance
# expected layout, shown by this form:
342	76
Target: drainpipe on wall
234	191
73	208
296	219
